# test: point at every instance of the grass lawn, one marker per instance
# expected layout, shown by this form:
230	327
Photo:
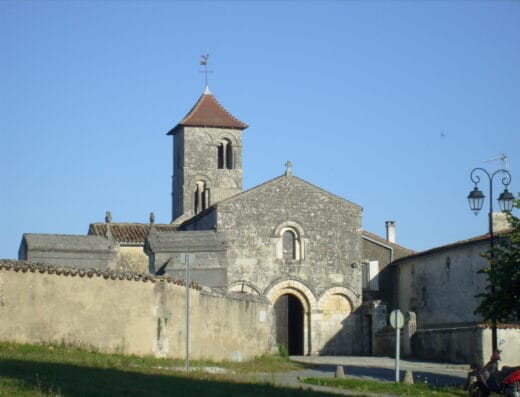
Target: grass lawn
42	370
396	389
34	370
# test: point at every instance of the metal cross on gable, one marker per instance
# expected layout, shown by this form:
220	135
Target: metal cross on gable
288	166
204	62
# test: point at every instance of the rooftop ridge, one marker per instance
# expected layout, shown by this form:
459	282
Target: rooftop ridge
456	244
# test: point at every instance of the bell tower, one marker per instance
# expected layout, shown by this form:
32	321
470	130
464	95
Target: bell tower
207	158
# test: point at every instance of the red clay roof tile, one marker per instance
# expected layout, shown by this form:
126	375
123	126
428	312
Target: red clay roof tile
207	112
130	233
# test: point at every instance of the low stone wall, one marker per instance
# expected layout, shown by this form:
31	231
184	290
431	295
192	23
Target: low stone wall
384	343
127	313
461	345
470	344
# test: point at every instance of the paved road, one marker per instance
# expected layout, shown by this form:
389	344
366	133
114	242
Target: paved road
383	369
375	368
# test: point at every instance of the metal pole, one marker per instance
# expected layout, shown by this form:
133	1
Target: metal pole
506	180
397	347
494	337
187	263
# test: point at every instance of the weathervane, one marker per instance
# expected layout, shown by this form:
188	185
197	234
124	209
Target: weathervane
204	62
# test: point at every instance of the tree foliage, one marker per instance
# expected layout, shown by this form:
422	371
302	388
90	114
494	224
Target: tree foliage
502	303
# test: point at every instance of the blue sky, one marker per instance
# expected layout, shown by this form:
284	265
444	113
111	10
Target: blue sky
387	104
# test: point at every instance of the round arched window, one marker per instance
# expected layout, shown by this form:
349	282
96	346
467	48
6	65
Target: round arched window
289	244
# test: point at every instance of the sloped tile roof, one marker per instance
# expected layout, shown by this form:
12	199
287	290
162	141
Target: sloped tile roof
208	112
129	233
386	242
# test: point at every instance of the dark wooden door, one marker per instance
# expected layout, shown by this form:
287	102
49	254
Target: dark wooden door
289	323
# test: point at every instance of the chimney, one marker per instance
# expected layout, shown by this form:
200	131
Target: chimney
390	231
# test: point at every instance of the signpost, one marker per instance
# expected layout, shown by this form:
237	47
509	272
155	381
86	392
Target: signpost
397	322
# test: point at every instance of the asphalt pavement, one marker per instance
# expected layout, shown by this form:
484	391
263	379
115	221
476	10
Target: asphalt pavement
371	368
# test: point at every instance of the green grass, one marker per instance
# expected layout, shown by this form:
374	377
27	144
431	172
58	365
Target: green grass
397	389
72	355
34	370
42	370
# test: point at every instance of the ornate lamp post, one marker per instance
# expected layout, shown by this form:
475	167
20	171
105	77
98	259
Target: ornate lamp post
505	200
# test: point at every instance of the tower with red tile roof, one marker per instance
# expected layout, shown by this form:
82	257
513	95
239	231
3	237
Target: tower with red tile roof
207	158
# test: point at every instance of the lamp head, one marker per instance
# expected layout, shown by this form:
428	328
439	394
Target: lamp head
476	200
506	200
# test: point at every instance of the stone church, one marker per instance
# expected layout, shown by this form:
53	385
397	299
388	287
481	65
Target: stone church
296	246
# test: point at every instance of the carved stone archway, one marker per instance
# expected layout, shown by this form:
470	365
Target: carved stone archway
292	303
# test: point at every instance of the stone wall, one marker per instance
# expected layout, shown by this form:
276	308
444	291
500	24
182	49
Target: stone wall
384	343
132	259
82	252
460	345
127	313
195	159
325	272
327	229
440	286
375	248
510	349
207	249
466	345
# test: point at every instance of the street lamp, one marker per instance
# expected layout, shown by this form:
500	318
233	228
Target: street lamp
505	201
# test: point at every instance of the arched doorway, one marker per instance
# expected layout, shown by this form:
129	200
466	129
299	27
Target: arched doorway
289	318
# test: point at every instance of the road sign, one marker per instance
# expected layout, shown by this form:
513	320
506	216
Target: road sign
396	319
397	322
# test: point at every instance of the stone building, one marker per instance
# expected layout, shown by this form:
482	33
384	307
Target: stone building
286	242
207	160
439	286
378	253
288	259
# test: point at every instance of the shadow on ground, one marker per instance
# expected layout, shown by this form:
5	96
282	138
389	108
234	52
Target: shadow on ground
25	377
387	374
